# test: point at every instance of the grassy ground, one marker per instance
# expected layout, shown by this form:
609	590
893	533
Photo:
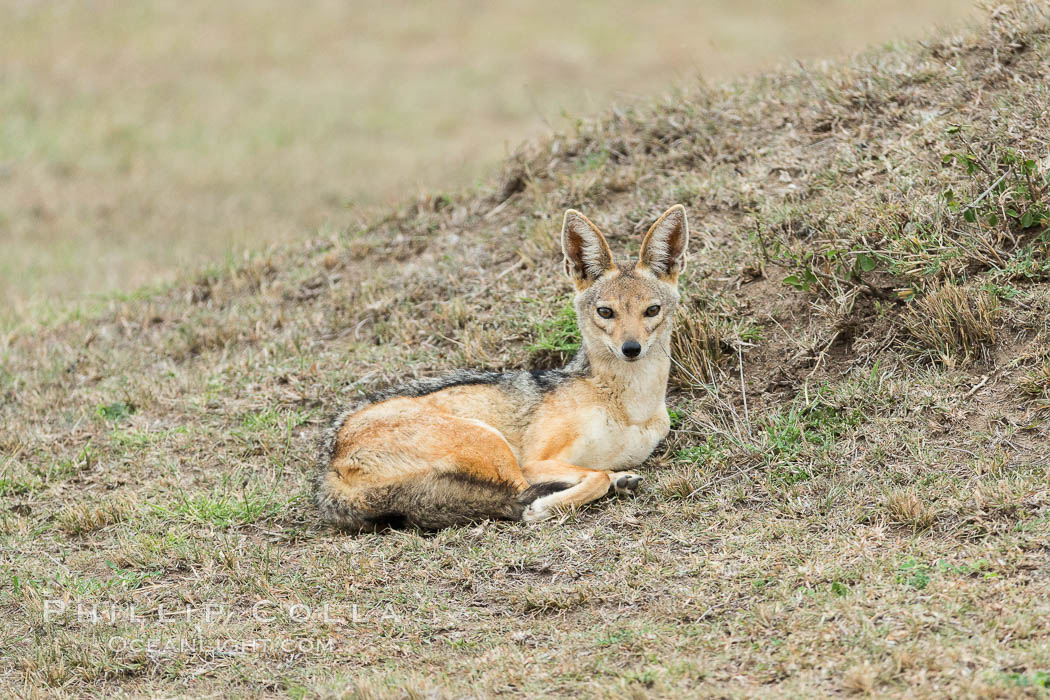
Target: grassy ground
141	138
854	497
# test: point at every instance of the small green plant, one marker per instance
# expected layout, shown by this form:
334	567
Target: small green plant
836	267
914	573
980	568
675	417
130	438
1031	263
752	334
830	264
115	412
646	678
790	474
614	638
594	160
1036	679
130	579
1017	191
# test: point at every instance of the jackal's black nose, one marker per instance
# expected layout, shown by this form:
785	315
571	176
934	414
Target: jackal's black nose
631	349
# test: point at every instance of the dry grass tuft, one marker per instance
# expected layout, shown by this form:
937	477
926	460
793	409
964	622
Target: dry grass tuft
860	679
366	689
954	325
906	508
1036	386
552	601
83	518
1000	498
697	346
681	483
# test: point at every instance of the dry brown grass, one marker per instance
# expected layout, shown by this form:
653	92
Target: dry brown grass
906	507
697	346
861	679
1036	386
954	324
84	518
785	544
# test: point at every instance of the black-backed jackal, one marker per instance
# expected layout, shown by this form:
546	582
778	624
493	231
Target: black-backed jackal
521	445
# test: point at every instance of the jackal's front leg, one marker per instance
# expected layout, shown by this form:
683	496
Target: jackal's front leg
582	486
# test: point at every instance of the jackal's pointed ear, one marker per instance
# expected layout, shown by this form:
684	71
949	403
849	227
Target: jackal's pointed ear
587	255
663	249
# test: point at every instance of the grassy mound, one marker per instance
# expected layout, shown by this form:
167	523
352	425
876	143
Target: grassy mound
854	497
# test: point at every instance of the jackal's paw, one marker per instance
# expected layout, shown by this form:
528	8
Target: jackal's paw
536	511
624	483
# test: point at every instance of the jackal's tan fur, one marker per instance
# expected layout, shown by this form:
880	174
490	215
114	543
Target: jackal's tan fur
521	445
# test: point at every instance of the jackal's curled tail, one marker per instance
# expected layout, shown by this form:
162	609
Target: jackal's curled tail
428	502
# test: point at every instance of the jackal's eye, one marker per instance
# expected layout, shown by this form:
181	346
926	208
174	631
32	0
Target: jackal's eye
652	310
605	312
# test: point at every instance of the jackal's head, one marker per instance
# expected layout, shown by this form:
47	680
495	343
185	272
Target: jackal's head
624	309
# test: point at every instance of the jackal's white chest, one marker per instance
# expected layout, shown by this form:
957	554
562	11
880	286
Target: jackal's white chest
609	444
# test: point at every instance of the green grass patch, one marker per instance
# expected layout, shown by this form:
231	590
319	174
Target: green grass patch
115	412
1035	679
223	509
803	437
270	419
558	335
